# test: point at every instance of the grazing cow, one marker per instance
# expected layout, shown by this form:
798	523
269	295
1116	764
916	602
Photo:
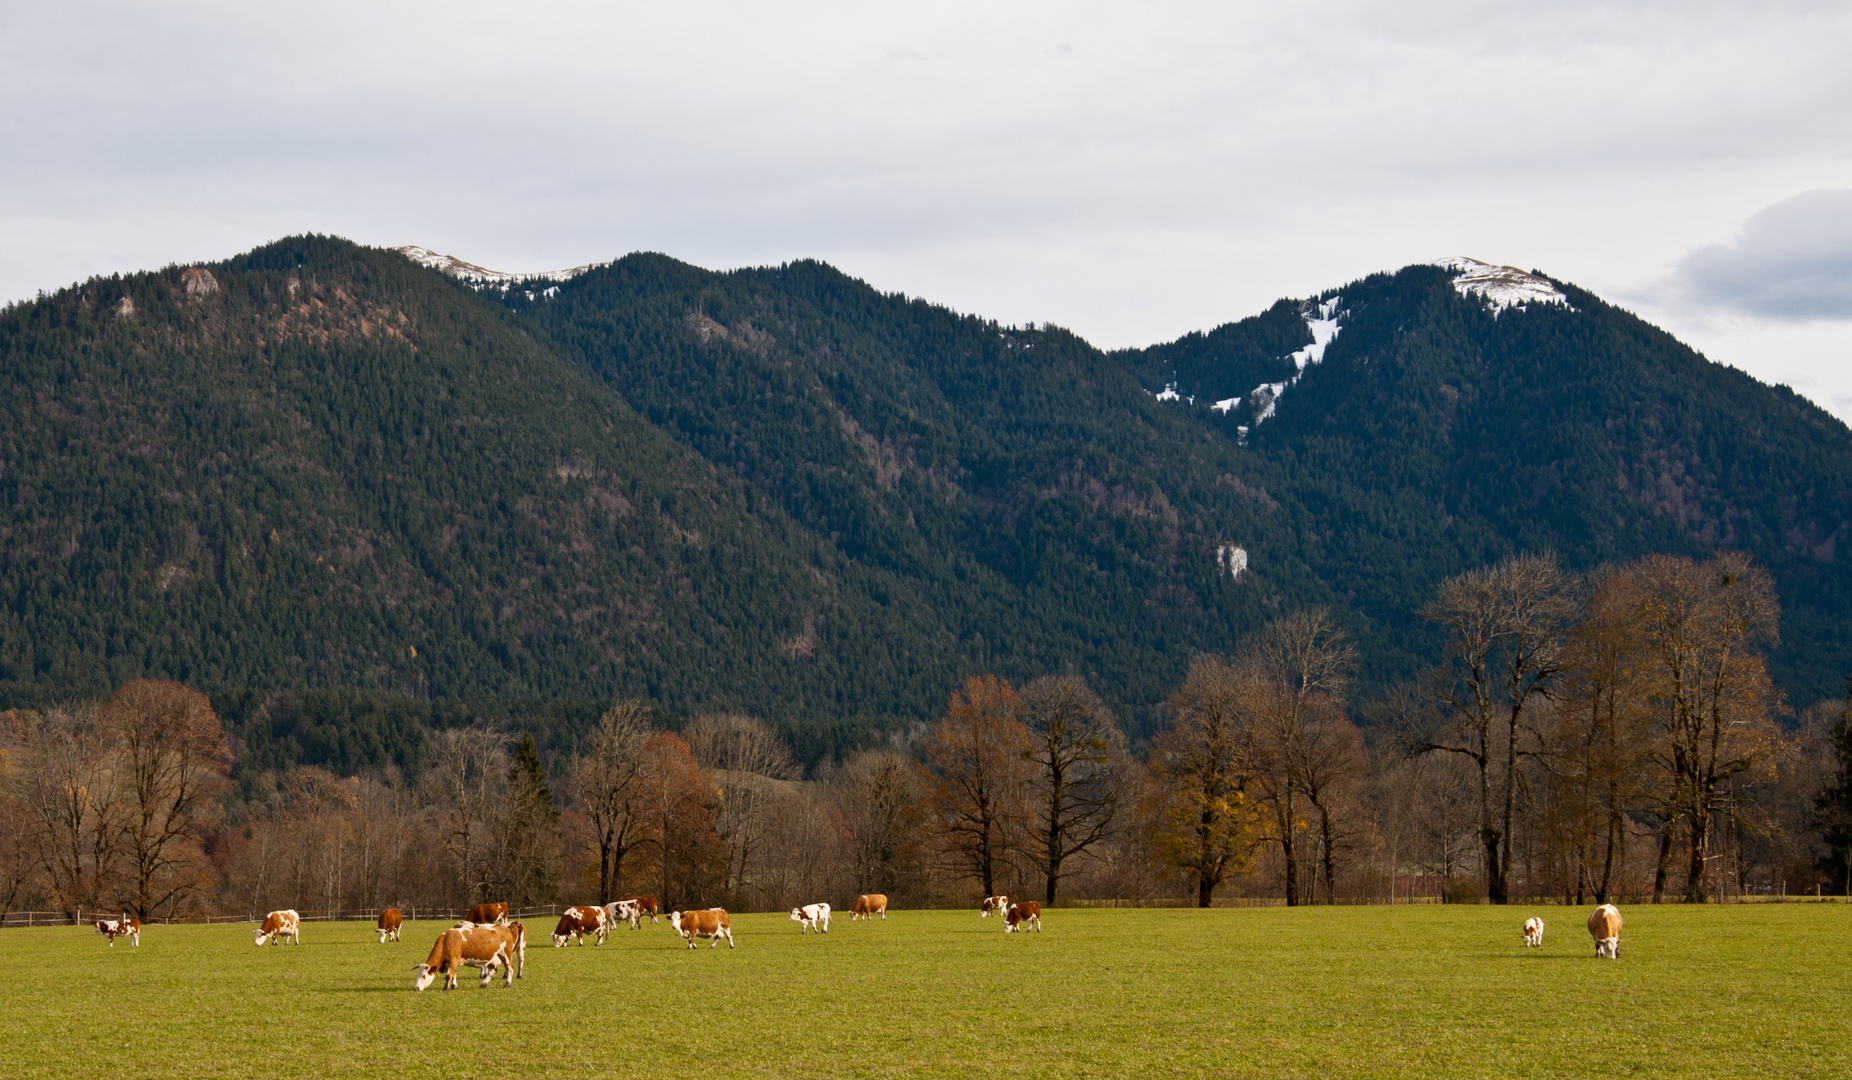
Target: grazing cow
486	947
712	923
812	917
279	925
993	905
1021	915
1533	932
582	922
389	922
868	906
625	911
1605	926
123	927
487	914
646	905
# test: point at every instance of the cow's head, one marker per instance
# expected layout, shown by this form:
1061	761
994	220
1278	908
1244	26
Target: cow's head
425	976
675	921
260	937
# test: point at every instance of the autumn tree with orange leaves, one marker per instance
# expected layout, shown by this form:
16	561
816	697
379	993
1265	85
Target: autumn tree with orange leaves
974	771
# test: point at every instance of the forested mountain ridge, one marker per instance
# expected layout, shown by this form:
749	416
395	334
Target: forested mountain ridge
318	465
782	491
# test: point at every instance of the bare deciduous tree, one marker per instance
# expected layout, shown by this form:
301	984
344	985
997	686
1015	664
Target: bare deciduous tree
1075	744
605	782
70	783
746	758
974	773
1711	691
876	805
467	784
176	760
1504	628
1292	667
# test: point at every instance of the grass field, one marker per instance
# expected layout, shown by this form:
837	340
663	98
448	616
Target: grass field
1757	990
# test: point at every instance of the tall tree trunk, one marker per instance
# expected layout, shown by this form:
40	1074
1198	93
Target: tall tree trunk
1290	851
1664	867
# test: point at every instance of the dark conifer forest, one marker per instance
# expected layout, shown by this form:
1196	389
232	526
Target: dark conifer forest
353	499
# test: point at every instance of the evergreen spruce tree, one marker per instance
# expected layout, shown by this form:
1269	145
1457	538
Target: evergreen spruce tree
1834	805
532	853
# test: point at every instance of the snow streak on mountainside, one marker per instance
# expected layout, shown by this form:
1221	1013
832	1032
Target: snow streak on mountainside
1321	317
479	275
1502	286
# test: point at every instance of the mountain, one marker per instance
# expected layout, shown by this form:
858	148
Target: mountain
344	471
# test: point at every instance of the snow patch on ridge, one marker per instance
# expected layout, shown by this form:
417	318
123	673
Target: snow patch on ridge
1501	286
480	276
1321	317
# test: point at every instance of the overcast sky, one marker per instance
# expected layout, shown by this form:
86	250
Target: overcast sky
1131	171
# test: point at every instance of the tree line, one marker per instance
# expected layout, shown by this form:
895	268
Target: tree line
1604	736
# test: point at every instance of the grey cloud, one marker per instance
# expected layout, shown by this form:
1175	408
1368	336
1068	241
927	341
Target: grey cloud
1793	261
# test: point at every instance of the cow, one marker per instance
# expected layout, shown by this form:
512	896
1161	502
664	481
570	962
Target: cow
1533	932
123	927
812	917
486	947
582	922
625	911
993	905
1021	915
487	914
712	923
646	905
868	906
279	925
1605	926
390	920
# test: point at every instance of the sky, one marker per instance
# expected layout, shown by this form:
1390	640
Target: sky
1129	171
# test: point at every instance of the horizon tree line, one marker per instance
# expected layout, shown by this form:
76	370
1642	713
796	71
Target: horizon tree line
1601	736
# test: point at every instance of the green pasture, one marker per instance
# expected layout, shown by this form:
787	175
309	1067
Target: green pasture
1749	991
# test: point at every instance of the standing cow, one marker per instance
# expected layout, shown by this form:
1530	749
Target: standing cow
1021	915
646	905
812	917
279	925
582	922
487	947
390	920
868	906
712	923
993	905
1533	932
123	927
1605	926
488	914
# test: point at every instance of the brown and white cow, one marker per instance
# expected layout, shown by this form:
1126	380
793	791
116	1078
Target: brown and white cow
712	923
390	920
1533	932
582	922
646	905
487	914
812	917
993	905
1605	926
123	927
279	925
1021	915
490	948
625	911
868	906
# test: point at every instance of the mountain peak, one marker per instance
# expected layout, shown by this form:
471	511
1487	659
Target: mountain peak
482	275
1503	286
